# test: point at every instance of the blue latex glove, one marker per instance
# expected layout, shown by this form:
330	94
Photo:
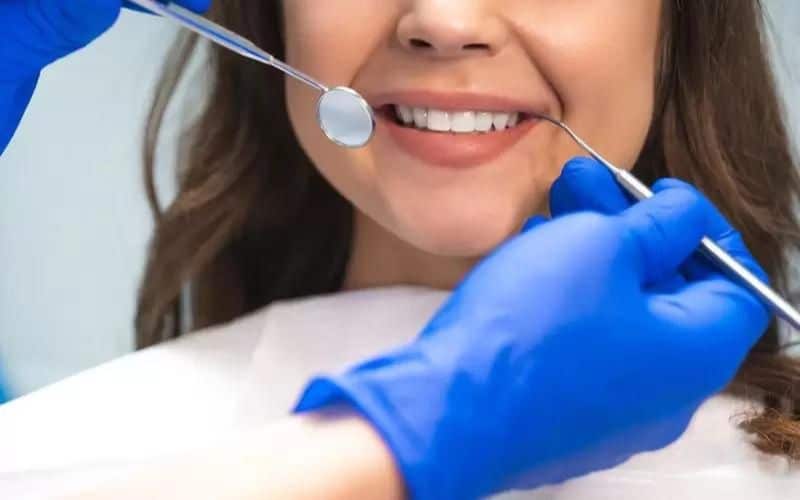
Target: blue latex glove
35	33
576	345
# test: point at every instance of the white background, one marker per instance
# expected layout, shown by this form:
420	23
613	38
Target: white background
73	218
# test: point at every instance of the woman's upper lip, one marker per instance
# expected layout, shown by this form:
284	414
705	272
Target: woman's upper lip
455	101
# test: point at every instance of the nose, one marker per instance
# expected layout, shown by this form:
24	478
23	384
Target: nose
451	29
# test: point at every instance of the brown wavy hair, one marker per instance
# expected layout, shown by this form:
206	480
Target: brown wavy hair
253	221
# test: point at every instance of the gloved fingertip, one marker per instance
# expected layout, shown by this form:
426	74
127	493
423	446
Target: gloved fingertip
533	223
579	164
585	184
562	188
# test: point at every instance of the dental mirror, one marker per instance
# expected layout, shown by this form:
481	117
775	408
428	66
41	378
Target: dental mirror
343	115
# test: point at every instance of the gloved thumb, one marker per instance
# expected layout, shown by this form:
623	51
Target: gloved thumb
585	184
666	229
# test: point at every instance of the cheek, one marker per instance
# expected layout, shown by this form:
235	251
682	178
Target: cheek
319	36
601	71
328	46
332	49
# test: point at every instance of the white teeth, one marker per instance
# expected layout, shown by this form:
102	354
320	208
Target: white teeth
483	122
501	121
421	118
405	114
458	122
438	121
462	121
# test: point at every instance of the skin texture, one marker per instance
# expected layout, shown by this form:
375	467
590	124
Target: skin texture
427	225
333	454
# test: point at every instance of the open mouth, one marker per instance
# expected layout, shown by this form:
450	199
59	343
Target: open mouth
453	129
453	121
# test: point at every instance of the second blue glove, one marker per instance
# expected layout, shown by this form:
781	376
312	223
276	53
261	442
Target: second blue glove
35	33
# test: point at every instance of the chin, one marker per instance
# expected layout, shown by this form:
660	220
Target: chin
464	234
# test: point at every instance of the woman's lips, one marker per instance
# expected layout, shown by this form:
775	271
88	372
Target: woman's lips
448	149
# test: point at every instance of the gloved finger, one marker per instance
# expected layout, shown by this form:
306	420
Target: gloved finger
665	230
533	223
699	267
585	184
718	321
199	6
55	27
34	34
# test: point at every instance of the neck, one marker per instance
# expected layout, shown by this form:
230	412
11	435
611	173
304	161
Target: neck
379	259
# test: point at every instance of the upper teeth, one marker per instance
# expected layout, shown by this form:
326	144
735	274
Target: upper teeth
455	121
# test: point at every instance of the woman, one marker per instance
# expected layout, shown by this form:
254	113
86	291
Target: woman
661	89
670	89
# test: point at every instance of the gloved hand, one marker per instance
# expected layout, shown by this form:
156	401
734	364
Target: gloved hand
574	346
34	33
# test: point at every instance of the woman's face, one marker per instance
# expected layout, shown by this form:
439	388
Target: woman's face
463	176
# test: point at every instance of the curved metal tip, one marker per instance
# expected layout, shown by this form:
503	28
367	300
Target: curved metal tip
580	142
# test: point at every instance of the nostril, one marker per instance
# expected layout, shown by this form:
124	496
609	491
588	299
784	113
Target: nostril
419	43
476	46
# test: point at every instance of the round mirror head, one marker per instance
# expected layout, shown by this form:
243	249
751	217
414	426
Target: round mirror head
345	117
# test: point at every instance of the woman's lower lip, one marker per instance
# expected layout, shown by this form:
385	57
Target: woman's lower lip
454	150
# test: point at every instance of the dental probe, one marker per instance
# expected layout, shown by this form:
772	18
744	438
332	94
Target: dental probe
708	247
